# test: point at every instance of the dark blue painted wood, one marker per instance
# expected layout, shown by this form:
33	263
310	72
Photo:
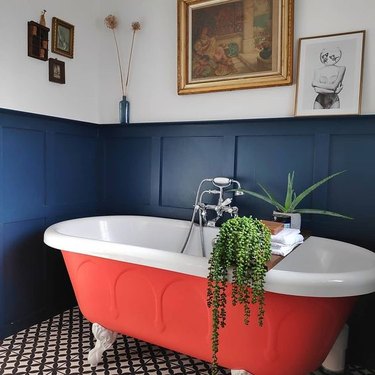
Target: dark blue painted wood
48	172
356	188
24	167
74	170
321	168
268	160
24	272
127	171
185	162
263	151
155	178
54	169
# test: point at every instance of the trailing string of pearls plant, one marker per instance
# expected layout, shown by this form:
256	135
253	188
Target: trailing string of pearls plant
243	247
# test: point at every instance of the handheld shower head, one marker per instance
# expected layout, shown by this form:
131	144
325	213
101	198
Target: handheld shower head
221	182
237	193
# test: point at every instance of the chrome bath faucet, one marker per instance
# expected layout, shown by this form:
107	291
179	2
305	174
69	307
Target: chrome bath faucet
223	205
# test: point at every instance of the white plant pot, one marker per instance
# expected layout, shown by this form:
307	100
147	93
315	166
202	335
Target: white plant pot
295	218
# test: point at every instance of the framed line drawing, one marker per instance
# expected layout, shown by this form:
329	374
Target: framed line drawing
330	74
56	71
234	44
62	37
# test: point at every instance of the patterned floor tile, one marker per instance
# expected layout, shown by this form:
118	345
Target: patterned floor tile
80	345
66	318
115	361
357	370
170	362
168	368
182	362
56	347
20	338
137	347
60	345
74	319
16	364
319	372
351	370
52	347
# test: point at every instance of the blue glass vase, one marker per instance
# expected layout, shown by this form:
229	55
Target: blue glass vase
124	108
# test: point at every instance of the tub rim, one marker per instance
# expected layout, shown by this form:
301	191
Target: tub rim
278	280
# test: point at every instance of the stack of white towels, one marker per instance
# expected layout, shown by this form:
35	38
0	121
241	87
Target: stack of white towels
285	241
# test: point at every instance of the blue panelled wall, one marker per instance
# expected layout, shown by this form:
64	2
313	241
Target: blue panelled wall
155	169
53	169
48	173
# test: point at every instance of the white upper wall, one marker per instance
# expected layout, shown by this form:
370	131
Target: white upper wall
24	83
93	90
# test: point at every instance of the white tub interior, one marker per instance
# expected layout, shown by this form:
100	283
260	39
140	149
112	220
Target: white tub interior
140	231
318	268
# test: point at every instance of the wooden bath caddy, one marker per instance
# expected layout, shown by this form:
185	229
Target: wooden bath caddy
274	260
275	228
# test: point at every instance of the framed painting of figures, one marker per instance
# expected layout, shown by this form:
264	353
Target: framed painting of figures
234	44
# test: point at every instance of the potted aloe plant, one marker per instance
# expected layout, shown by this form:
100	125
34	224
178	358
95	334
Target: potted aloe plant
292	200
241	250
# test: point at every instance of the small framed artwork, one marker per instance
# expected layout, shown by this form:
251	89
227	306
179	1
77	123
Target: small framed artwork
56	71
62	37
234	44
330	74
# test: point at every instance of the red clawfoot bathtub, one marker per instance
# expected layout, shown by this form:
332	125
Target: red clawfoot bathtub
129	278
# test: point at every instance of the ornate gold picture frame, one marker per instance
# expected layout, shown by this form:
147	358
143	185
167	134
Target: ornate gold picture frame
62	37
234	44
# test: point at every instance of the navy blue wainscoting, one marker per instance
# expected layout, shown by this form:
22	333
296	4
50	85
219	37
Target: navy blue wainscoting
155	169
54	169
48	172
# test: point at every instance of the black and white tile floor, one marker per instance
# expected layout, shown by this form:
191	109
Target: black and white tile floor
60	345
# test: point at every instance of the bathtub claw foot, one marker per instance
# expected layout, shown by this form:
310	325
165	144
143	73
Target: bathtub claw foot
239	372
104	340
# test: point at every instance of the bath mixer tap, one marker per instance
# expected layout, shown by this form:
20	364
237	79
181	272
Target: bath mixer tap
223	205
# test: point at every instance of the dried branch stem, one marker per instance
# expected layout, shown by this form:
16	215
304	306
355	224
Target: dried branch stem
119	64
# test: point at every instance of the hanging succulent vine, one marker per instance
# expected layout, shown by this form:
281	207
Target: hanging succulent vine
242	246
